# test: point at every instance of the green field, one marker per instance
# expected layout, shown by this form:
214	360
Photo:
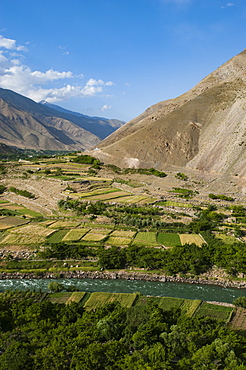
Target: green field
145	237
190	306
167	303
75	297
117	240
57	236
170	203
60	297
98	299
168	239
227	239
218	312
74	234
94	237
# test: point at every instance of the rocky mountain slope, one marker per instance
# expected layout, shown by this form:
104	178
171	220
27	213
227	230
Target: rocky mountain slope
29	125
203	129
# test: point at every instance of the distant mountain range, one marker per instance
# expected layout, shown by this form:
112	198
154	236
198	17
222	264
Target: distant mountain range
203	129
26	124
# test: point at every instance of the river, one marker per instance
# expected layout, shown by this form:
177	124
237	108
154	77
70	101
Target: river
167	289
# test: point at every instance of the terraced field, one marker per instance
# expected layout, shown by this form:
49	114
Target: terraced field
191	238
99	299
222	313
148	238
168	239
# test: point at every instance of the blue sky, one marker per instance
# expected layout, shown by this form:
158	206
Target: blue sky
115	58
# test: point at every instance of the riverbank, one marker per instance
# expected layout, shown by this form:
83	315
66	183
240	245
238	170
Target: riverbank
123	275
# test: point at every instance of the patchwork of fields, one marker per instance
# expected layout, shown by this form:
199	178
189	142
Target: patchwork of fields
21	230
189	307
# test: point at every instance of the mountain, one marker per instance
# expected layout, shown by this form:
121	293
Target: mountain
99	126
203	129
29	125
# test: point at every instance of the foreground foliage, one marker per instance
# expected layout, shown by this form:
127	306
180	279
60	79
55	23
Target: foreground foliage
41	335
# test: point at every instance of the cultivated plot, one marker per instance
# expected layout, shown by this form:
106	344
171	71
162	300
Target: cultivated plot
192	238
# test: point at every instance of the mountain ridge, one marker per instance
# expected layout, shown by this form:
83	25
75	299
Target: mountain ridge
203	129
30	125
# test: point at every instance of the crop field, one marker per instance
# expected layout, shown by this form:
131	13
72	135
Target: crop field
9	221
74	234
227	239
222	313
99	191
167	303
75	297
93	237
31	230
118	241
191	238
57	236
123	233
170	203
190	306
145	237
98	299
22	239
108	196
60	297
168	239
135	199
64	224
238	321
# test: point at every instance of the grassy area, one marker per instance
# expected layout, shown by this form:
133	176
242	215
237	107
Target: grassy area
168	239
98	299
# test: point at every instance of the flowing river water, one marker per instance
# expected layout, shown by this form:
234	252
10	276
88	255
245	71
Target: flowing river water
167	289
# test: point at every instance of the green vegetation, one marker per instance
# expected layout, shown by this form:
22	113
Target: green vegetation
218	312
181	176
168	239
113	332
23	193
221	197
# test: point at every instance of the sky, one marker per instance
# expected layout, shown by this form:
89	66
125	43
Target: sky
115	58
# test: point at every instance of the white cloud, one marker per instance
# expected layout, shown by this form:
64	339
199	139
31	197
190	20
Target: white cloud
10	44
106	107
227	5
16	76
109	83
